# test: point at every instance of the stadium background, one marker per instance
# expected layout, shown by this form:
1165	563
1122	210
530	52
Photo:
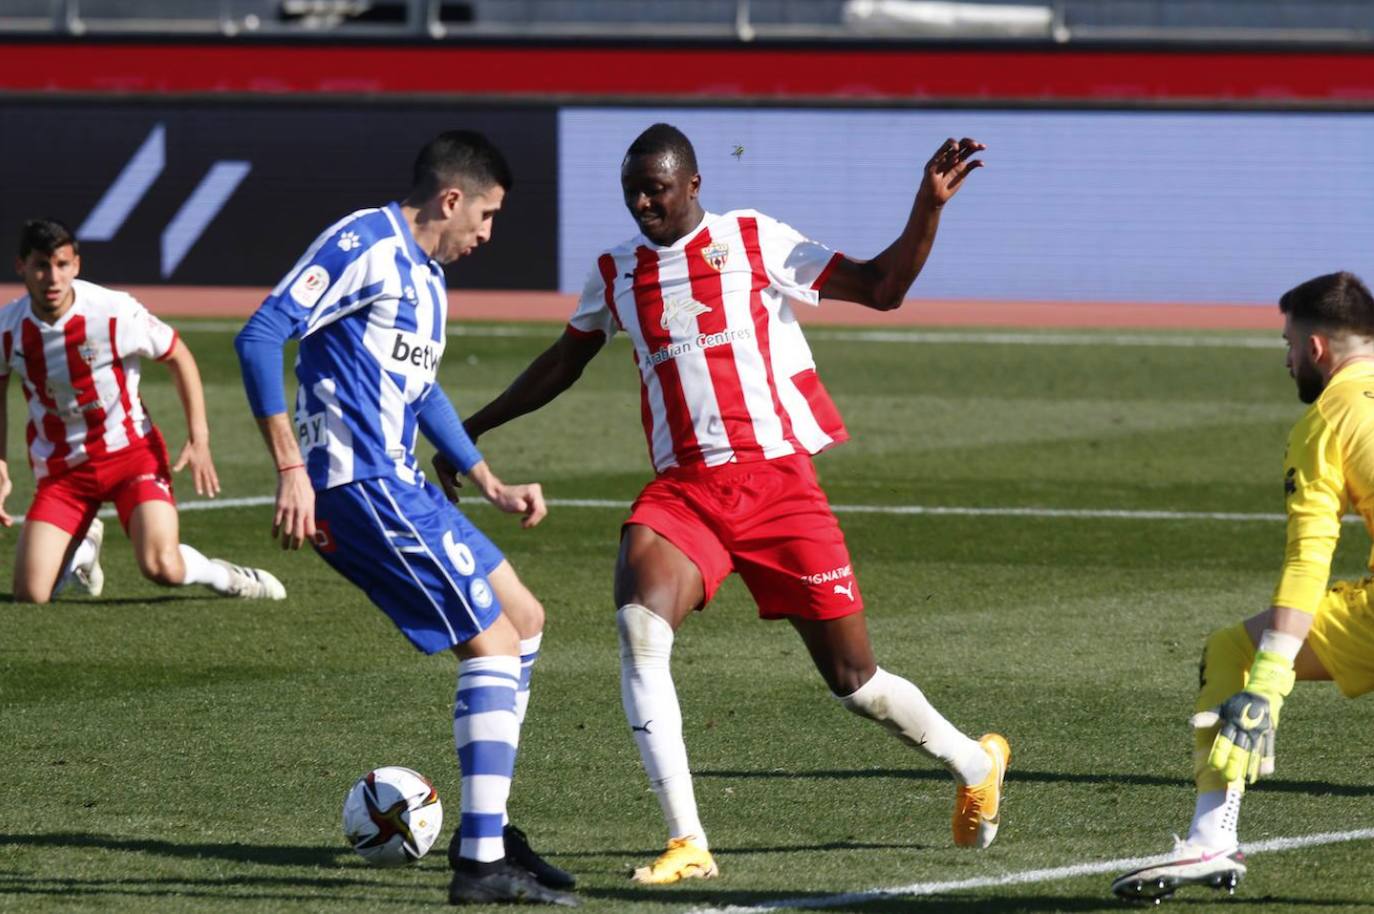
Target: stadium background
1141	154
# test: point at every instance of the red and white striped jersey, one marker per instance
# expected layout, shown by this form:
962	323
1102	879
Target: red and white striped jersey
726	373
80	374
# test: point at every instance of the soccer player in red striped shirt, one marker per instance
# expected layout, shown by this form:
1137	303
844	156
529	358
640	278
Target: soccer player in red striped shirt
733	410
77	348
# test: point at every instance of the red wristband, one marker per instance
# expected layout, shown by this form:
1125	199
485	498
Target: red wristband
294	466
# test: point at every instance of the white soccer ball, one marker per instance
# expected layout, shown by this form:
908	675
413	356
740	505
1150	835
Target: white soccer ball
392	816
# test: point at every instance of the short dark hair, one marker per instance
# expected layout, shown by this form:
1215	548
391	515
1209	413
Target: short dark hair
44	236
462	157
662	139
1336	301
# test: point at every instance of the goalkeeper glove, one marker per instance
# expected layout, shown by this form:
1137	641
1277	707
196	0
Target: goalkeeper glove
1244	744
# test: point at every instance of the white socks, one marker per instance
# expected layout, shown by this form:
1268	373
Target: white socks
529	652
651	707
1215	818
485	732
901	707
81	558
200	570
83	555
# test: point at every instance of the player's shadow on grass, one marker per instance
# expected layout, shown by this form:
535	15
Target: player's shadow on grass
225	890
7	598
951	903
649	852
267	854
1014	775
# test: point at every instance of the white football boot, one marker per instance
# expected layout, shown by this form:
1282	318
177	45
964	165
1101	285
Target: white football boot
1186	864
251	583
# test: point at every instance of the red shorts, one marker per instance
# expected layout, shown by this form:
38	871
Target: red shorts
128	477
768	520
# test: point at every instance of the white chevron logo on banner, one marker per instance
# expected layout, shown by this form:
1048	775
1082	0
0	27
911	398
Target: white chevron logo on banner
138	177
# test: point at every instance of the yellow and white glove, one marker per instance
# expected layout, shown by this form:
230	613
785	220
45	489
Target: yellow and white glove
1244	746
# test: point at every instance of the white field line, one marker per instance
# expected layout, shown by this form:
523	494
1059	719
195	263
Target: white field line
977	337
1026	877
254	501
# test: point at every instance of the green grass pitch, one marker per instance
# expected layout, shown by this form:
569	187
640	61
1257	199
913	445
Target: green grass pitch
161	750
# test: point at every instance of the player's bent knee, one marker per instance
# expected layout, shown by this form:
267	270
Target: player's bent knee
163	566
646	638
499	639
871	698
518	604
846	678
525	613
1226	658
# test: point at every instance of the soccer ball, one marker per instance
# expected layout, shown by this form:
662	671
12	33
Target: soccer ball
392	816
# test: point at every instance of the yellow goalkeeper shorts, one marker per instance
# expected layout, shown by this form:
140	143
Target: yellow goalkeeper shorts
1342	635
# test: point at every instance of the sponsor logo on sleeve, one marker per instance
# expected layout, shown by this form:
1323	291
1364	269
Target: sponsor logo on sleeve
310	285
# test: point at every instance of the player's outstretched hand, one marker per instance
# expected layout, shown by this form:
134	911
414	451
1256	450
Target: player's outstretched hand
294	519
947	169
448	477
5	488
526	500
203	475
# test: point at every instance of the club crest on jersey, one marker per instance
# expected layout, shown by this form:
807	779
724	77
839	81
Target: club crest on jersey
716	255
88	352
680	311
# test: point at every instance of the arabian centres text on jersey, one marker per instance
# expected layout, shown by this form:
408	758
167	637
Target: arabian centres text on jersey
702	342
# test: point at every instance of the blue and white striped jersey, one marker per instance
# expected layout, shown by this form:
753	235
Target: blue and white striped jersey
369	307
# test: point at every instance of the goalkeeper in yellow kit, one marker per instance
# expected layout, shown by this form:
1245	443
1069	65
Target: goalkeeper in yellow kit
1310	631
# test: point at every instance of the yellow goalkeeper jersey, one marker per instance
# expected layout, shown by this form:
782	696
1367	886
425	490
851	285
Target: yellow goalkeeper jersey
1328	472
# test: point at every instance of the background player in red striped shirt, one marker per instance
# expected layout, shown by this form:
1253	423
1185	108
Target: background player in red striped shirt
733	410
77	348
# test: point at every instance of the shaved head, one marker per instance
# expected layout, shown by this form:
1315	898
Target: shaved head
665	140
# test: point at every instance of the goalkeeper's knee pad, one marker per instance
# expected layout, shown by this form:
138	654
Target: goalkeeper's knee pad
1226	659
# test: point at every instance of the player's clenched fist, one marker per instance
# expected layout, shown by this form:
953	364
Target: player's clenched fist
1244	745
525	500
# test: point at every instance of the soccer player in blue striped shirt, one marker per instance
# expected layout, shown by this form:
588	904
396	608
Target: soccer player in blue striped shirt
368	303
